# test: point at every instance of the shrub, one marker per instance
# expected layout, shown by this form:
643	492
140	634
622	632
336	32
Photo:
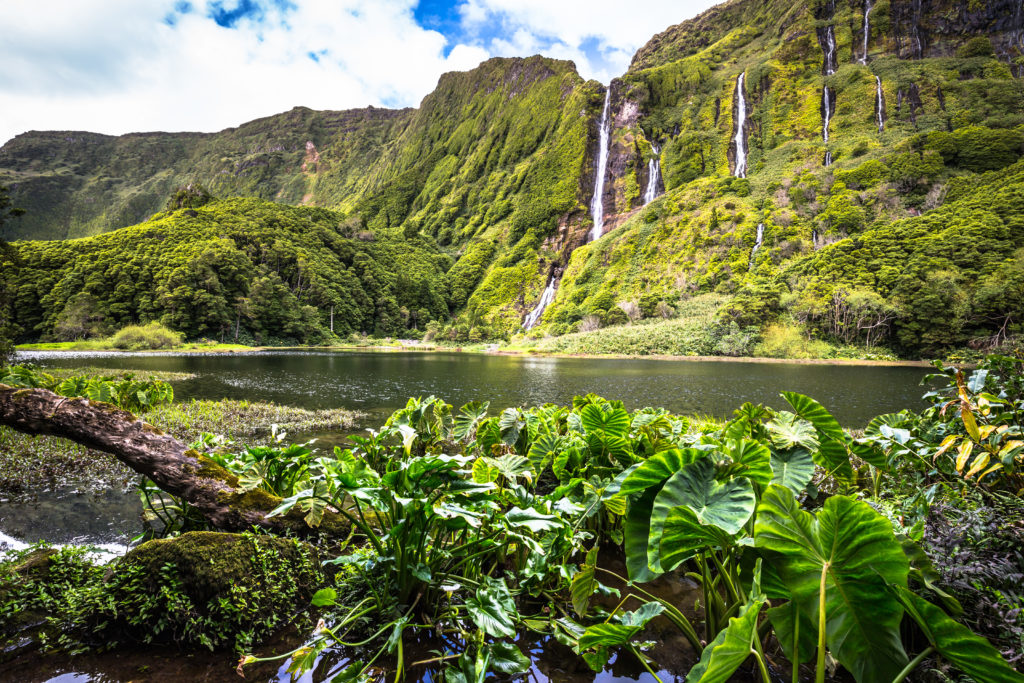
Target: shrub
781	340
143	337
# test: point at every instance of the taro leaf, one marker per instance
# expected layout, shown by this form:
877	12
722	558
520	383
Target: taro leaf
614	487
491	609
421	572
324	597
854	546
468	418
969	652
874	427
869	452
790	621
684	535
789	431
727	505
812	411
733	644
532	519
542	451
584	584
507	658
976	383
637	529
484	471
658	468
753	460
614	422
833	457
510	424
792	468
613	635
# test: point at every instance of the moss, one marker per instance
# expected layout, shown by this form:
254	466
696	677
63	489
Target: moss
210	470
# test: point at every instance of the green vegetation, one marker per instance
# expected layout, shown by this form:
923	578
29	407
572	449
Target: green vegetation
198	590
145	337
807	544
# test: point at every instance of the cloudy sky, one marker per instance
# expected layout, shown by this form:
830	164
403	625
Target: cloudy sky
115	66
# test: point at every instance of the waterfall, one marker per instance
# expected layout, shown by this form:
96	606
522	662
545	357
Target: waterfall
653	175
879	105
597	202
740	137
757	244
814	237
867	30
827	106
533	317
830	50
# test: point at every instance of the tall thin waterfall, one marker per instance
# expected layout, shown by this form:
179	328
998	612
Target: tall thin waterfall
597	201
827	105
758	240
879	105
830	50
533	317
867	30
653	174
740	137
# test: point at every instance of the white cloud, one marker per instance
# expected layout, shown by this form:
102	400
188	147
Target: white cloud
115	66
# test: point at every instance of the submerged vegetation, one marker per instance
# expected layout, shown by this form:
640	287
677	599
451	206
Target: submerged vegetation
810	547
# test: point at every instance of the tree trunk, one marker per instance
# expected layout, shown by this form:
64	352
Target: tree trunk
187	474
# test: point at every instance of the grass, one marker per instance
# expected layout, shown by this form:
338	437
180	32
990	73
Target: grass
244	420
142	375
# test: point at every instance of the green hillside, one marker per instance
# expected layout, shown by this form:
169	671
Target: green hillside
266	271
495	171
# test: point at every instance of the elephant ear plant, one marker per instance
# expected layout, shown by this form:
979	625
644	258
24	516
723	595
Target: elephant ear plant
480	528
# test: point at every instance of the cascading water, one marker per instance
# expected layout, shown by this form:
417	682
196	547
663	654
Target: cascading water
879	105
814	237
827	107
867	30
740	136
596	207
830	50
597	201
758	240
653	175
533	317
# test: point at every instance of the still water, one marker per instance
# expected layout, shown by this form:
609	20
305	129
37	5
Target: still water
377	383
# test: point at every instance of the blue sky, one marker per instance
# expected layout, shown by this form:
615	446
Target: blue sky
116	66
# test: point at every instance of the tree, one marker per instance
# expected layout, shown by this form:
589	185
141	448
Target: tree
7	211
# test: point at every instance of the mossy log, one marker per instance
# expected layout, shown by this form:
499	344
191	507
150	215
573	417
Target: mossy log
207	487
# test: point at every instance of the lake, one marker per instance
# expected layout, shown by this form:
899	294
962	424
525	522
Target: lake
377	383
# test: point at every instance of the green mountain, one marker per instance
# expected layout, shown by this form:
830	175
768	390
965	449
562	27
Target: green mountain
846	165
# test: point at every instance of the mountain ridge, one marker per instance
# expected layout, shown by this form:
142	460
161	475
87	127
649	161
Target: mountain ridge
843	131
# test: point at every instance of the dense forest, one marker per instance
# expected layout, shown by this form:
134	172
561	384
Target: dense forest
857	210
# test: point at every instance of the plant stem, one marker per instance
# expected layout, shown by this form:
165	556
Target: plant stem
913	665
643	661
820	671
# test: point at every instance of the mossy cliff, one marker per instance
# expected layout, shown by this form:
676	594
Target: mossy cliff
490	179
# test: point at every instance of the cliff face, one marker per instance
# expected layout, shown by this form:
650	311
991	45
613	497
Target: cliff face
844	107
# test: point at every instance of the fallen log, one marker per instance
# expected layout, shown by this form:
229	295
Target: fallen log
206	486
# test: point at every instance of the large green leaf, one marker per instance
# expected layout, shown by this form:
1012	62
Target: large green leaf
613	422
753	460
792	623
683	535
789	431
658	468
792	468
728	505
542	451
468	418
637	529
854	547
971	653
812	411
532	519
492	609
733	644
